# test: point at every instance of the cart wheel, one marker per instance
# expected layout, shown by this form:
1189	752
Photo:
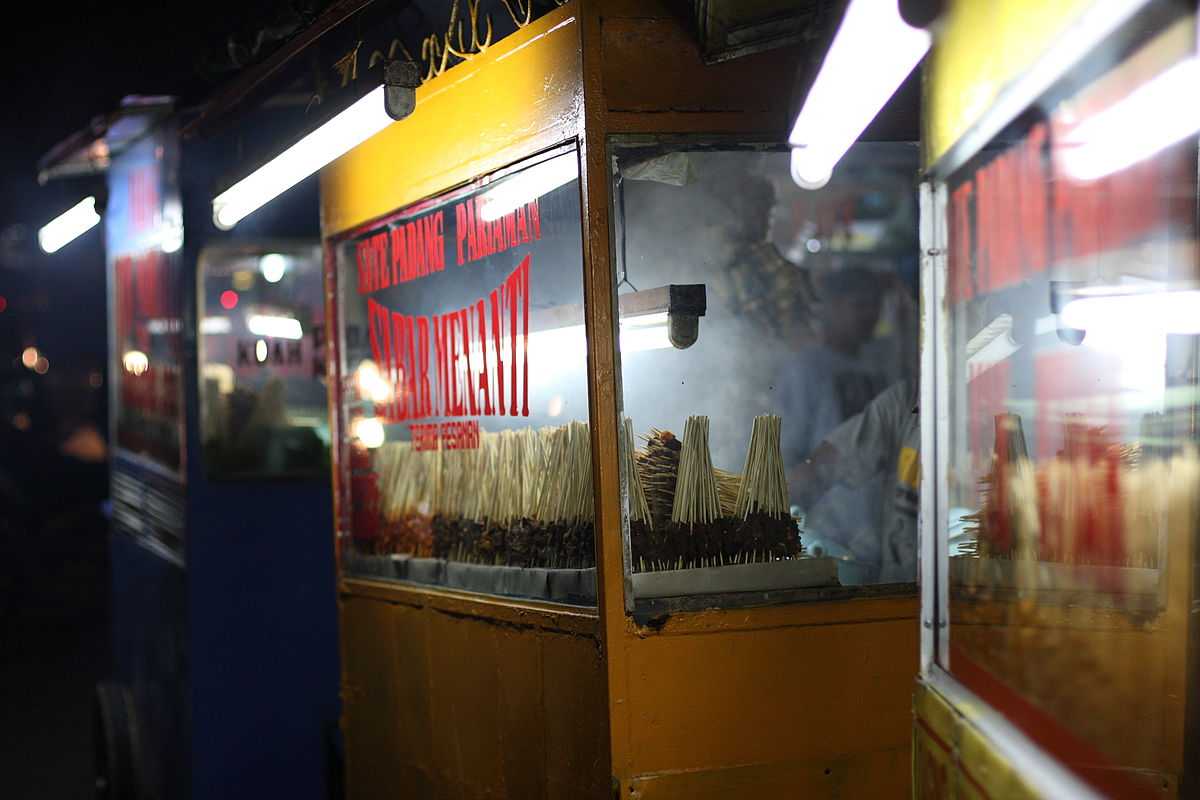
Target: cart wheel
116	744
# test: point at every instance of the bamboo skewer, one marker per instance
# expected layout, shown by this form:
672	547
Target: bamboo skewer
639	509
764	480
696	499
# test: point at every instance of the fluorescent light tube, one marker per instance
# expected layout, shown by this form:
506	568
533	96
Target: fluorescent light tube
872	53
1150	313
332	140
215	325
1154	116
527	185
69	225
275	327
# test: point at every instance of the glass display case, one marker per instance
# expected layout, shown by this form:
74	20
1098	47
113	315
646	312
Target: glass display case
262	361
463	392
1066	521
770	424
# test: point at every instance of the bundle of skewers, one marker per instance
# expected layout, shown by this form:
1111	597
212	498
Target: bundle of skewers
408	489
1096	503
698	516
523	498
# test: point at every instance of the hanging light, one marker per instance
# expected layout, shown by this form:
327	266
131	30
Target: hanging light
527	186
275	327
872	53
69	225
350	128
1152	117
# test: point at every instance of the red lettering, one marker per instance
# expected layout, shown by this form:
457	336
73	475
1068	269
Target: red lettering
482	383
522	225
464	321
535	219
437	244
460	230
509	294
377	328
442	357
364	274
456	404
379	260
424	401
416	249
510	229
497	328
399	256
401	345
472	241
1035	181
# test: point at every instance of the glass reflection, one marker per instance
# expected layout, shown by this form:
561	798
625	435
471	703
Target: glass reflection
263	361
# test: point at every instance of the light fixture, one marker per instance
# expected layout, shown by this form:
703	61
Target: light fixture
215	325
260	351
650	319
272	266
523	187
350	128
400	82
135	362
369	431
1152	313
371	384
1154	116
275	327
568	344
69	225
872	53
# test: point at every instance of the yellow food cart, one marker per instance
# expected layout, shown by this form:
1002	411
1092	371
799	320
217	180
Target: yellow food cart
1059	403
566	295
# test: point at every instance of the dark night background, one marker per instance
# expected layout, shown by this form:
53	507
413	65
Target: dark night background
65	65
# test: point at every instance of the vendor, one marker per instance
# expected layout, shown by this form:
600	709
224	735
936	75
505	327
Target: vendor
882	443
829	380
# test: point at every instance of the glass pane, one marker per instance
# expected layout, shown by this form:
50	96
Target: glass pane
1073	312
262	362
142	232
767	449
464	396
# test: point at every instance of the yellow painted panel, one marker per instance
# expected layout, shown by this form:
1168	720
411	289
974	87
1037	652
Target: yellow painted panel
411	721
369	700
463	692
982	47
726	698
573	692
520	681
523	94
441	705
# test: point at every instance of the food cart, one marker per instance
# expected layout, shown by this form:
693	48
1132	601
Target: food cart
224	673
1058	626
563	295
